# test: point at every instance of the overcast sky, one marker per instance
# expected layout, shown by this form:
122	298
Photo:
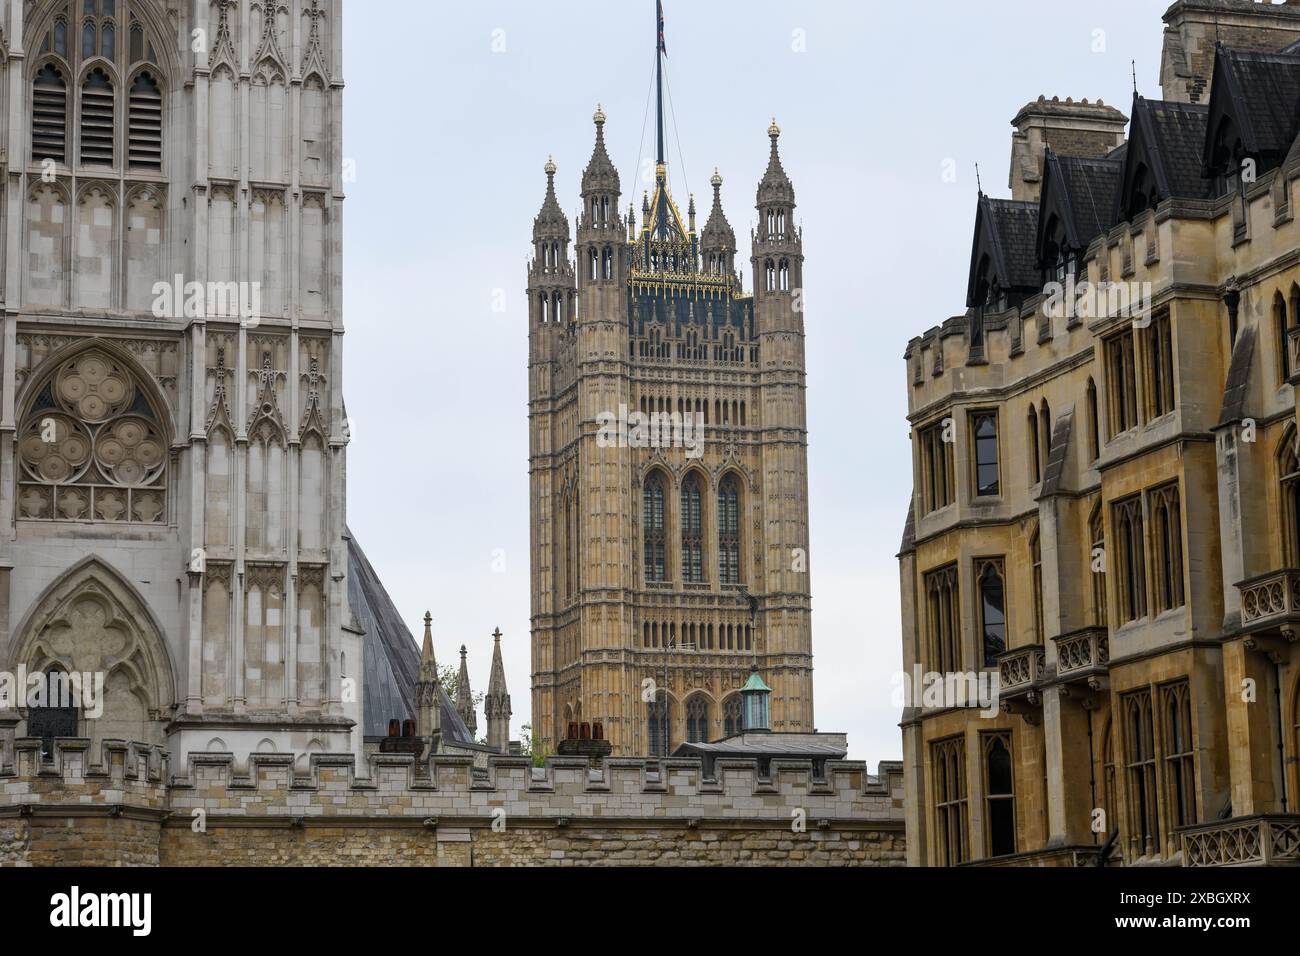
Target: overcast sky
450	113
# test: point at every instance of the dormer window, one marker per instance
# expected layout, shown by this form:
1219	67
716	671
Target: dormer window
1067	266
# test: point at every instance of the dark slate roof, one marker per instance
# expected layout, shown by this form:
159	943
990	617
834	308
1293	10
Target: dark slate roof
1167	141
1091	185
1237	388
392	656
1081	193
1007	232
1259	93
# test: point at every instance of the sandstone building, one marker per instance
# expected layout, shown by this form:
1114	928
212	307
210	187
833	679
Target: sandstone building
1105	513
173	445
660	572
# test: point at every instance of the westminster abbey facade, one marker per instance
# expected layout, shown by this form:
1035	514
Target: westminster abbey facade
1106	514
668	463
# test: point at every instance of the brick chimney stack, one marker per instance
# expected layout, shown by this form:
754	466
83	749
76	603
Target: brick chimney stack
1070	128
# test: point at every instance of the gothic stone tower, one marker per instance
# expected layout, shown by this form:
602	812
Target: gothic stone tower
171	465
661	573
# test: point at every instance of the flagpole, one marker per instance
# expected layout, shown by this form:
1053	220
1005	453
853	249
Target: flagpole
659	78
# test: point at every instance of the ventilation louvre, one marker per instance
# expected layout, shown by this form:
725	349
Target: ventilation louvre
97	120
49	116
145	125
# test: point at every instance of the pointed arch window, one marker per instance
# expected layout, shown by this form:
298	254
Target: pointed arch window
1035	458
943	620
1130	565
948	761
697	719
1045	432
1140	764
97	107
92	447
659	725
1167	528
1097	566
999	794
1289	474
1179	758
654	529
732	719
49	115
1160	367
993	618
692	530
729	530
1282	326
144	127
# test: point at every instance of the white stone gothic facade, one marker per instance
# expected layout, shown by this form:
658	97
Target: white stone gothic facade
172	466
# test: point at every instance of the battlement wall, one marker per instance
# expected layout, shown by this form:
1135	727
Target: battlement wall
126	804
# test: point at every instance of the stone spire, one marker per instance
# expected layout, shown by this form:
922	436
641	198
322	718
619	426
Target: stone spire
465	696
601	176
551	222
775	186
428	692
497	703
718	241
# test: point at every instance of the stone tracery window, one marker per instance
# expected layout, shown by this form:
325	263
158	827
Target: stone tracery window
92	447
654	529
1289	476
729	530
697	719
948	763
999	794
732	721
692	531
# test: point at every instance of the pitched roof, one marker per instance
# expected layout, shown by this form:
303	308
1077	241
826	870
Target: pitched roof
1006	233
1079	194
392	657
1164	156
1255	97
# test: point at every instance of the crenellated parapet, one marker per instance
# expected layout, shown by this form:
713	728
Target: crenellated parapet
329	785
75	807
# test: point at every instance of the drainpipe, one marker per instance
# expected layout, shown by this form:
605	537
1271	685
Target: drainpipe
1281	728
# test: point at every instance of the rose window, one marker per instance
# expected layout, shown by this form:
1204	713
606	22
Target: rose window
92	447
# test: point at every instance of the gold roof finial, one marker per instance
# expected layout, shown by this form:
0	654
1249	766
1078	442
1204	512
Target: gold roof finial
774	131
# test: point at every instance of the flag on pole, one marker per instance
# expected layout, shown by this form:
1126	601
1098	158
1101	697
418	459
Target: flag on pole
663	43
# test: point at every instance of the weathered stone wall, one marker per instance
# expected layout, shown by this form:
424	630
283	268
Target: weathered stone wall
127	809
